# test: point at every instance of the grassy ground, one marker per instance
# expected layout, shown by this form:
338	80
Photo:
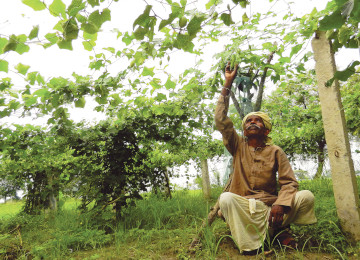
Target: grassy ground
159	229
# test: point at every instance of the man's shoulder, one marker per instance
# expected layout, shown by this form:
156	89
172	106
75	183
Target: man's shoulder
275	148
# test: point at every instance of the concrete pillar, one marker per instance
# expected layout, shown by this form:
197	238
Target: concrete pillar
342	168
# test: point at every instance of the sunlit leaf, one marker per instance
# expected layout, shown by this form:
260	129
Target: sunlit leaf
22	69
210	4
30	101
34	32
159	97
37	5
127	39
94	2
170	84
148	72
63	44
58	8
42	92
4	65
89	28
98	18
245	18
80	102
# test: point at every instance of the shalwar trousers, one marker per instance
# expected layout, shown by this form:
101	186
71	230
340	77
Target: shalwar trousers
248	218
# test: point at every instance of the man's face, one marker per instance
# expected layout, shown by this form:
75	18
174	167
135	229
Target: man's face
254	126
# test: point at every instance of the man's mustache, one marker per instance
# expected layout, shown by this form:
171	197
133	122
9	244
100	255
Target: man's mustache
253	125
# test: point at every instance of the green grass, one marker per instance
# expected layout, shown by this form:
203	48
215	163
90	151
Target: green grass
156	228
10	209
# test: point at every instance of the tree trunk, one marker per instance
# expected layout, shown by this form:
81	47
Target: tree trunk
342	167
205	179
167	184
320	159
53	195
260	95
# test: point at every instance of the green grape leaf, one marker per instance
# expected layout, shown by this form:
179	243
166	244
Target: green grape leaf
170	84
75	7
71	30
98	18
88	45
37	5
58	8
226	18
21	46
155	83
3	42
52	37
89	28
245	18
94	2
148	72
210	4
194	25
22	69
140	33
34	32
243	3
4	66
184	42
11	44
80	102
30	101
127	39
42	92
333	21
343	75
63	44
144	19
159	97
88	36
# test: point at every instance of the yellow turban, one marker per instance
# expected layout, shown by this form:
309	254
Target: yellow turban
265	118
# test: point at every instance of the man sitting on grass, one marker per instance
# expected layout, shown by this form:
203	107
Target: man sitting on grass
253	204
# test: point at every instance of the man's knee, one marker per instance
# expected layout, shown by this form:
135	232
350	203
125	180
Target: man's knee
306	198
225	200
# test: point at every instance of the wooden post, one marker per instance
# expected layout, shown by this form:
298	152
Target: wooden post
342	167
205	179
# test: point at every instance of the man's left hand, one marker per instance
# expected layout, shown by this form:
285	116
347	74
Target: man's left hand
276	216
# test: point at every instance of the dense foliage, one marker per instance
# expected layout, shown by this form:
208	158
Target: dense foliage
296	114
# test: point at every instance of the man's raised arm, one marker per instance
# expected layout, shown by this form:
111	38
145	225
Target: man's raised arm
222	121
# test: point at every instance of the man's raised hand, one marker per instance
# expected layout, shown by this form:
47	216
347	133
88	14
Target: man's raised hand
230	74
